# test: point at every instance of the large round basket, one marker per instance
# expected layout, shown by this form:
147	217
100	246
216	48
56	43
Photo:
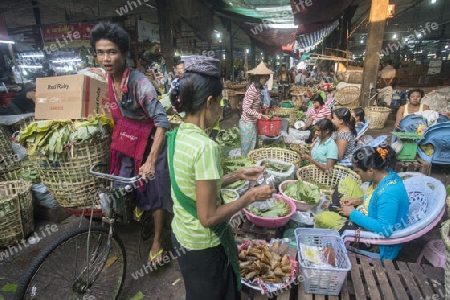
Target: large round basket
285	155
377	116
348	96
325	181
68	179
16	212
445	235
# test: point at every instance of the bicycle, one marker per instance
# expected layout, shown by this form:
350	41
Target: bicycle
88	262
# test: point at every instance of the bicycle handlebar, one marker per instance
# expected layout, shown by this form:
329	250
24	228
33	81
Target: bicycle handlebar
112	177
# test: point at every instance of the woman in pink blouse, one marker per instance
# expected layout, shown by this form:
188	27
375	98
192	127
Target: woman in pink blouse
316	113
251	108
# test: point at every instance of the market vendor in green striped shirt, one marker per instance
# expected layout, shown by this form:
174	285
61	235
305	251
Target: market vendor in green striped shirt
210	269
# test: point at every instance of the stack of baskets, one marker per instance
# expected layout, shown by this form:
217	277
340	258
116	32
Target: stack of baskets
325	181
285	155
68	179
16	212
348	96
377	116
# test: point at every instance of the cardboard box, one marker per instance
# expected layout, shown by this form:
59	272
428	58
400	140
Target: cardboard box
71	97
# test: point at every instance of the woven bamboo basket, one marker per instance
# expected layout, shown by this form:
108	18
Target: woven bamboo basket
348	96
16	212
5	143
68	179
325	181
377	116
285	155
445	235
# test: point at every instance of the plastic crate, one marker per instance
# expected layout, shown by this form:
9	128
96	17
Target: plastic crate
325	281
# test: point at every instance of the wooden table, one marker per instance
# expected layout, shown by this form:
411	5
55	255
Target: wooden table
368	279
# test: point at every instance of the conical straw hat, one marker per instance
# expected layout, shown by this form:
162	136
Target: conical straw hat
261	69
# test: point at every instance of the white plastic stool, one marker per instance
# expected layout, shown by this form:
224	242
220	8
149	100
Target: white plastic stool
434	252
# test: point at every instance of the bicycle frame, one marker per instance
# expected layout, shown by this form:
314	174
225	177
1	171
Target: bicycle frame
109	218
109	205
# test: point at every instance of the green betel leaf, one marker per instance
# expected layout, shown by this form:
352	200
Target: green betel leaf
9	287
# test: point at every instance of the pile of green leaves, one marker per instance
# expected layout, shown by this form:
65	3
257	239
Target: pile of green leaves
349	188
300	115
229	138
232	164
53	137
30	175
228	196
275	166
303	192
280	209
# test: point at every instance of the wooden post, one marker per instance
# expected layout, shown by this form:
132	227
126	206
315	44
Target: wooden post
229	57
165	31
377	21
252	62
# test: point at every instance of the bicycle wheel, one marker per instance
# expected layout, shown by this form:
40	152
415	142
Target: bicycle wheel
79	265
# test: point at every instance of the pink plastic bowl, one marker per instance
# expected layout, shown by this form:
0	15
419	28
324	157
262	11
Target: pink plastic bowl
301	205
272	223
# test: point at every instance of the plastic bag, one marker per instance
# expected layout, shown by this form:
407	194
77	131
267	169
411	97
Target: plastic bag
295	136
278	176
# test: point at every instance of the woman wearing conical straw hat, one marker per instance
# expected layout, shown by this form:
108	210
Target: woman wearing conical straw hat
251	107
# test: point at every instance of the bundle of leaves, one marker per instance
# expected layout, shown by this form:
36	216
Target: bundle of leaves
232	164
303	192
53	137
280	209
